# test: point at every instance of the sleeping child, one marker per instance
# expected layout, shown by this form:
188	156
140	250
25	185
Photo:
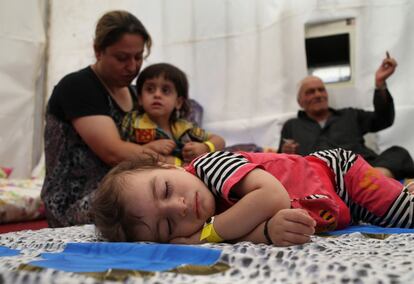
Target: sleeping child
279	199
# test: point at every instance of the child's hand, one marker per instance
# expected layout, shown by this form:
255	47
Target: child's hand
410	187
192	150
161	146
291	227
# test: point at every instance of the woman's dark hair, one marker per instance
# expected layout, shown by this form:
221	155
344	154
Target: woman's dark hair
114	24
171	73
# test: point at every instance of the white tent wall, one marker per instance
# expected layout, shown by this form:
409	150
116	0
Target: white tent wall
22	41
245	57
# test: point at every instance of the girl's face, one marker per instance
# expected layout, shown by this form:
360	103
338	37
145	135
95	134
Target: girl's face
120	62
166	204
159	98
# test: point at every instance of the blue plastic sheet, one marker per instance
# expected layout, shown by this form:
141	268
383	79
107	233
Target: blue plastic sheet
5	251
370	229
98	257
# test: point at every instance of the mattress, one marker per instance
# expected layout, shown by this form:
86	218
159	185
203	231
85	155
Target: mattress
347	258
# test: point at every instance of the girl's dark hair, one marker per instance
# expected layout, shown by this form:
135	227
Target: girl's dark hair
111	219
170	73
114	24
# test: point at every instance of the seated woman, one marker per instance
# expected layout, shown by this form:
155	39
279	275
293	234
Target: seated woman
84	115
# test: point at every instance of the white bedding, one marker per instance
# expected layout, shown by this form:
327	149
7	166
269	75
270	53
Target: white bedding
352	258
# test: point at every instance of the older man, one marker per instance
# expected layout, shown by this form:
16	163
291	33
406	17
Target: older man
319	127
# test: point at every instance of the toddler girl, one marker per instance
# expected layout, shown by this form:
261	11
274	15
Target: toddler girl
278	199
159	123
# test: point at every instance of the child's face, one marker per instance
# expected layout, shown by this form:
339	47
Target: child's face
159	98
167	203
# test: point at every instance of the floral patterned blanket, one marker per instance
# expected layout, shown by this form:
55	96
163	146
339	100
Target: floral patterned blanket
20	200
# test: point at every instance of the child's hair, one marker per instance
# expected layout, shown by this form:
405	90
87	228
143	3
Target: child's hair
108	210
170	73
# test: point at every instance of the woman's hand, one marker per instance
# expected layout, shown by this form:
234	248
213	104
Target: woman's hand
192	150
291	227
161	146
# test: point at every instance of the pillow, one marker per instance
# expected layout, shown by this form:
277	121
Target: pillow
5	172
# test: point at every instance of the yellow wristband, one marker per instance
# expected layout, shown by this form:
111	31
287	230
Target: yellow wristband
209	234
210	146
178	162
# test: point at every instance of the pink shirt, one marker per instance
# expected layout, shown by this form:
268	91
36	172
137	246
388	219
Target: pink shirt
301	176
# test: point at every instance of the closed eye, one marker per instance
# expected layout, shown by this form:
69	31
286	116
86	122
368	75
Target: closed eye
167	194
167	190
169	227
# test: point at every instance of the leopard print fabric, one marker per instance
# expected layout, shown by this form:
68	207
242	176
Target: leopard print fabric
351	258
73	170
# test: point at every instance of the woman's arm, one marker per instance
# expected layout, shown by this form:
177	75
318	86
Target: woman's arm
100	133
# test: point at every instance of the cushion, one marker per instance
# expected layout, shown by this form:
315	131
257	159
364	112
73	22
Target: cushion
5	172
20	200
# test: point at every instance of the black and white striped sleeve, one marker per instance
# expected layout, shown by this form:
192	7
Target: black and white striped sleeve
221	170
